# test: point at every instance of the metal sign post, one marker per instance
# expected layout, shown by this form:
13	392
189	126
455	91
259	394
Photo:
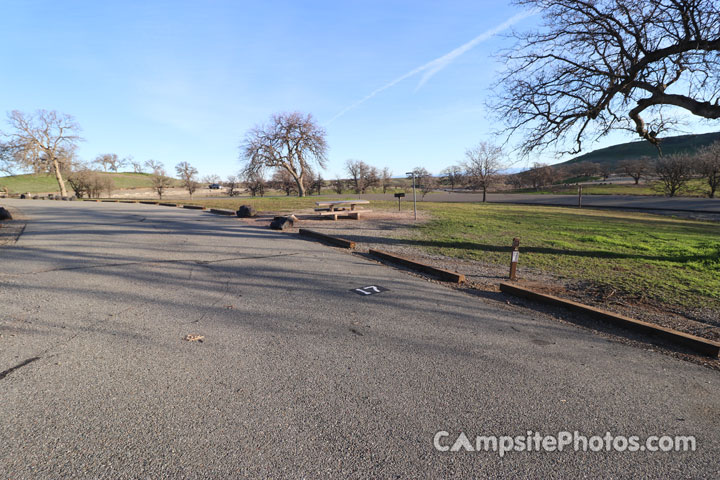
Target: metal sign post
414	195
579	196
399	196
514	257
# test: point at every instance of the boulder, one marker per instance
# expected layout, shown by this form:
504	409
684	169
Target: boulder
246	211
51	196
23	196
4	214
281	223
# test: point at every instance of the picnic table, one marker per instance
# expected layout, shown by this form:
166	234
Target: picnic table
342	207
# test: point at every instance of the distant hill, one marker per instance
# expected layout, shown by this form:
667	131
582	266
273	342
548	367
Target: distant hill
631	150
46	183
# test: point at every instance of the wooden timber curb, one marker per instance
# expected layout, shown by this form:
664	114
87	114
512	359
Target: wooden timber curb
438	272
697	344
194	207
222	211
168	204
340	242
149	202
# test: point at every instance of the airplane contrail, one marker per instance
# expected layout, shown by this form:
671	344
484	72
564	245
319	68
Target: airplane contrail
434	66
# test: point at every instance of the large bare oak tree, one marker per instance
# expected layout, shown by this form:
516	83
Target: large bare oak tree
44	141
482	167
188	175
362	175
290	142
601	65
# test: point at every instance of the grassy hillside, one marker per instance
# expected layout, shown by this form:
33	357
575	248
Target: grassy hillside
631	150
46	183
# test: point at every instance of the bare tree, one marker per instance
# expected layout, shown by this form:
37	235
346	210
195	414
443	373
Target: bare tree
708	165
6	159
127	162
674	171
291	142
424	181
210	179
516	181
233	185
86	182
482	166
283	181
160	181
45	140
154	165
80	181
585	169
107	184
338	185
187	174
605	170
137	166
539	175
362	175
385	179
255	183
354	167
453	175
109	162
636	168
602	65
318	184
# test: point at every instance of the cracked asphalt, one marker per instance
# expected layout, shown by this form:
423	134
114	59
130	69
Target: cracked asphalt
298	376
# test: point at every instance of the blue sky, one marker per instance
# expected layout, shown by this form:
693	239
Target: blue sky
184	80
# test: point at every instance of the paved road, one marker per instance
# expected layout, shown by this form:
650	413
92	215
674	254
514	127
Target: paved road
297	376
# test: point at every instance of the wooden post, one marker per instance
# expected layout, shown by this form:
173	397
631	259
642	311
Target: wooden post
579	196
399	196
514	256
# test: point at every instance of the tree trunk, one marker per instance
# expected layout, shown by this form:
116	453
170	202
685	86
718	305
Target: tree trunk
300	184
484	193
58	177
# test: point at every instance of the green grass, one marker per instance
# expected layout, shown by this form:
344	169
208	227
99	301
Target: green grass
30	183
671	260
134	180
46	183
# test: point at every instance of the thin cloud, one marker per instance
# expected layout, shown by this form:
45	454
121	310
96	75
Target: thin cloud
435	66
